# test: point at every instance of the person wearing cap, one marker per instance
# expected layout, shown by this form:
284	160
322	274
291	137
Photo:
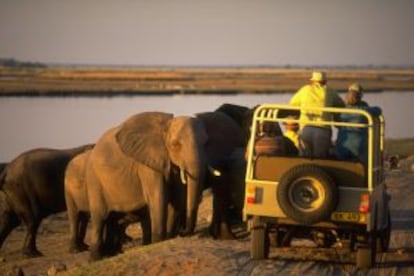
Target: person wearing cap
315	139
352	142
354	96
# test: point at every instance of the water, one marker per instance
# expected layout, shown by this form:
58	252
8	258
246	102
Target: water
32	122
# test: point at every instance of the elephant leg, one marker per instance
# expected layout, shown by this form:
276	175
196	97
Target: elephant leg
73	229
220	226
215	222
174	222
177	208
76	224
145	226
83	225
97	229
112	235
157	197
10	221
158	222
29	246
77	234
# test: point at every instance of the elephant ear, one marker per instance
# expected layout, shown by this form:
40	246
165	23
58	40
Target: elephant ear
142	137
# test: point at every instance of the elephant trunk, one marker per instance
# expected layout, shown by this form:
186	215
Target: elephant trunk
195	183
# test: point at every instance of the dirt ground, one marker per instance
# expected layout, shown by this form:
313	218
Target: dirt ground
201	255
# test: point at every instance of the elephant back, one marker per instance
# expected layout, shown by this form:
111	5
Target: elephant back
76	169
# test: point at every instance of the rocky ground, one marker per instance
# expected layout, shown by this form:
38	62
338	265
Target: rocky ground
201	255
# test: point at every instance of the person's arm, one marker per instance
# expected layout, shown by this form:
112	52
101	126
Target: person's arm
297	98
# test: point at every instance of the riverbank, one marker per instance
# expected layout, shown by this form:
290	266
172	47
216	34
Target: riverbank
201	255
110	81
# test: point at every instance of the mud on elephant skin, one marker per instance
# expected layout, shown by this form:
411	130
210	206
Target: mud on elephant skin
31	188
78	212
130	166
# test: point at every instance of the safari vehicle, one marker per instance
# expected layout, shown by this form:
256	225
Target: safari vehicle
332	202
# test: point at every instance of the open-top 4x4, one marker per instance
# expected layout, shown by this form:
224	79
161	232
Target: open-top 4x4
327	200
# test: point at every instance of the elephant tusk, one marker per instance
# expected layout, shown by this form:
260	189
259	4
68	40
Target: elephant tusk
214	171
183	177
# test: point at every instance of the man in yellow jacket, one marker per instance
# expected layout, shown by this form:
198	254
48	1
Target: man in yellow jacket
316	139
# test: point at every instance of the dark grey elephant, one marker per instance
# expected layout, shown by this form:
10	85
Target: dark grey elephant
78	212
32	189
228	129
130	166
226	139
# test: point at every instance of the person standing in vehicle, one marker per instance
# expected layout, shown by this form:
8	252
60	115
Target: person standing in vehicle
316	138
352	142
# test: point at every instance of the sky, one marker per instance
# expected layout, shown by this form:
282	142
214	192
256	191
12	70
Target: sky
209	32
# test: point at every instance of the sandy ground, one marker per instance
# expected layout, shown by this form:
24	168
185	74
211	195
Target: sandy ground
201	255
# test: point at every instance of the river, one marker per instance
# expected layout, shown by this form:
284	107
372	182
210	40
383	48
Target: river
61	122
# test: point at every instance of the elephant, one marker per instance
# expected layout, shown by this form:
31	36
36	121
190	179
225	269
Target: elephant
78	211
130	168
225	138
228	129
32	188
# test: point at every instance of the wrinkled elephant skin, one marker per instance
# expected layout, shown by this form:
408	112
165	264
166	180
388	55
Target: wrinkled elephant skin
130	168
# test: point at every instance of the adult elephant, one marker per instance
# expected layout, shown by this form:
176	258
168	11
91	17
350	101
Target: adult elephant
78	211
224	151
228	129
32	189
130	166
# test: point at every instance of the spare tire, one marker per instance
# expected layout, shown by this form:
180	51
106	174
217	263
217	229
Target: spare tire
307	194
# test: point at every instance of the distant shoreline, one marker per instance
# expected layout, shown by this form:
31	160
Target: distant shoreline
114	81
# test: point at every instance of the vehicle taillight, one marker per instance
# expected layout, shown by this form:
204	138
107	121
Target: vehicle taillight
364	204
251	195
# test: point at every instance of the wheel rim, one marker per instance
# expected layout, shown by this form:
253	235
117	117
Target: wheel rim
306	194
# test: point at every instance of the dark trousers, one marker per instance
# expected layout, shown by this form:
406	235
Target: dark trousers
315	141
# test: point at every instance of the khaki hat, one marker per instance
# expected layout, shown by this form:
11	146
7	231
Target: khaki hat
318	76
356	87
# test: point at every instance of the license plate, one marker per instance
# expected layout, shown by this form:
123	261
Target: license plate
345	216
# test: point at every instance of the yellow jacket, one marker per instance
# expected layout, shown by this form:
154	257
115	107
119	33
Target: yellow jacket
293	136
316	95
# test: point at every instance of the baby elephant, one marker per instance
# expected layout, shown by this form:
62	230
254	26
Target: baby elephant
78	212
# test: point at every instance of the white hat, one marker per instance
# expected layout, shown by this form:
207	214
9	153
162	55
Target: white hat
318	76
